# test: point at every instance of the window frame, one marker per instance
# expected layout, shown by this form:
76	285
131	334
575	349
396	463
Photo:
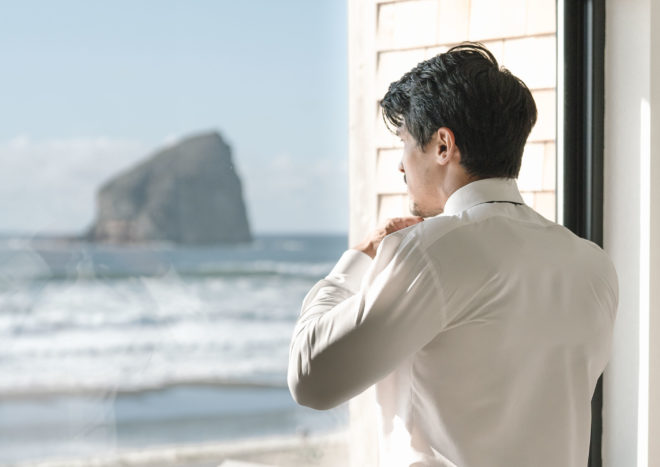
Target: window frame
580	142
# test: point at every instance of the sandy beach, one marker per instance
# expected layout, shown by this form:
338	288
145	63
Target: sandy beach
328	450
180	425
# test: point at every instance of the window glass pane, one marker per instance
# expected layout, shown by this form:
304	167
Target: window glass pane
173	181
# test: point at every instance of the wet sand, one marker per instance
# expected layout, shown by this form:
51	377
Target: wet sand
329	450
196	422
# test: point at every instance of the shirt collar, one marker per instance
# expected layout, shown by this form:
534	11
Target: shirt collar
482	191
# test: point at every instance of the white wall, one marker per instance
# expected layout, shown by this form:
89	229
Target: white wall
631	431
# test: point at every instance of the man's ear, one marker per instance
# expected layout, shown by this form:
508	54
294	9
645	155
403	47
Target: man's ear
447	150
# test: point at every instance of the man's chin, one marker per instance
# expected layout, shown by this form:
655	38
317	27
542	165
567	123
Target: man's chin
417	210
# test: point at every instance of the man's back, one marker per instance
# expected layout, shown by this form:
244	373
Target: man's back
496	324
528	310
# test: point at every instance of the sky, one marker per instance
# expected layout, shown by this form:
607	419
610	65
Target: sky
88	88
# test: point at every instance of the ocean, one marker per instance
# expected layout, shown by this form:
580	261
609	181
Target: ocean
111	347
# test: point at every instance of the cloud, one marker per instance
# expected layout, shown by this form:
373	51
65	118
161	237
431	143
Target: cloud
50	186
287	194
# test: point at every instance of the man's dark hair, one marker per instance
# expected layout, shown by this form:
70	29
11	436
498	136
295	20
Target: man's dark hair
490	111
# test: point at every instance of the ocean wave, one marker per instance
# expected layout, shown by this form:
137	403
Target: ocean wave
46	390
141	370
115	358
147	303
311	271
112	321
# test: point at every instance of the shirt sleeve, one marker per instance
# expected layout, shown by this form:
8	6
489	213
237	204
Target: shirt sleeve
360	322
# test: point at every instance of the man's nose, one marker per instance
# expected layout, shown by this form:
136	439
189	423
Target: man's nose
401	167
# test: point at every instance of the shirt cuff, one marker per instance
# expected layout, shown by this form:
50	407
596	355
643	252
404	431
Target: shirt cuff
351	268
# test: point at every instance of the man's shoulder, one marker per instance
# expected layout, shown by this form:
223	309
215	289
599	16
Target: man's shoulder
450	231
434	227
427	233
413	241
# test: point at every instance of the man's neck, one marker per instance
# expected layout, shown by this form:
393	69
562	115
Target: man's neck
456	180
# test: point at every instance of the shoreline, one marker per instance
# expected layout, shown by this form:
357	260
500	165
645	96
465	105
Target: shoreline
47	393
234	420
322	450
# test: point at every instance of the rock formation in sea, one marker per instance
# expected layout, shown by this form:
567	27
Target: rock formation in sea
188	193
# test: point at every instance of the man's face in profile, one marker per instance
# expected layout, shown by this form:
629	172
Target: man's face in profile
421	173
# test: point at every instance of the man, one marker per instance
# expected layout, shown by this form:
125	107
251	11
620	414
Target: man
485	326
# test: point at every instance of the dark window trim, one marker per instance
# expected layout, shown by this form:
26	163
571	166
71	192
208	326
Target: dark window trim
582	27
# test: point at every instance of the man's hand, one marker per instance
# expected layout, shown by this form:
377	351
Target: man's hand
370	244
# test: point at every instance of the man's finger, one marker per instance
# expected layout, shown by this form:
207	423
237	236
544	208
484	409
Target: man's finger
408	221
399	223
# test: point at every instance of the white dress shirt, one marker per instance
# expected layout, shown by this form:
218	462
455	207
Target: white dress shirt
484	330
